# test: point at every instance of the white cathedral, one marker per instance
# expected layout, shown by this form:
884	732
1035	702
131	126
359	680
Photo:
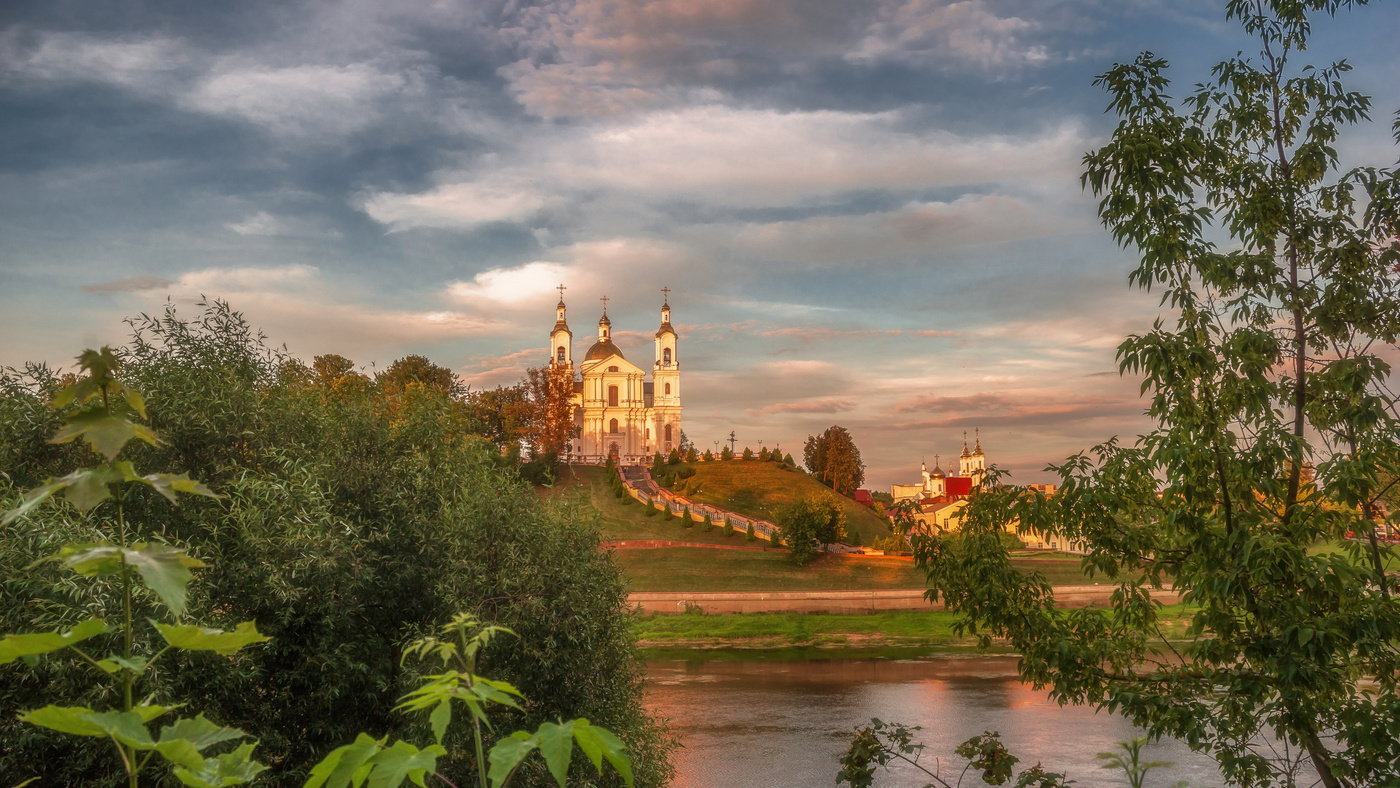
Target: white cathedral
618	413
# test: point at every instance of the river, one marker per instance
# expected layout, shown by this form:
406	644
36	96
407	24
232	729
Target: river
784	720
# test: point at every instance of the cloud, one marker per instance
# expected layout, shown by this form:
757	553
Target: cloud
299	100
804	406
131	284
748	158
966	32
263	223
501	370
146	64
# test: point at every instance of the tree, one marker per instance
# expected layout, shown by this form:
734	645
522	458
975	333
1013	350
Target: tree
550	429
749	534
1274	428
728	527
691	456
673	458
748	453
709	456
788	461
810	522
834	460
726	453
418	369
764	455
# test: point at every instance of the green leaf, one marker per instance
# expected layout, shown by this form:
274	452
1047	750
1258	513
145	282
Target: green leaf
439	719
197	638
507	754
26	782
36	496
127	727
87	488
595	742
150	711
91	560
343	764
556	745
167	484
13	647
392	765
199	731
106	434
64	719
233	768
113	663
166	571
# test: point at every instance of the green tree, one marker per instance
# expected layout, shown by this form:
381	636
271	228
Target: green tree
1274	425
418	369
708	455
788	461
728	528
834	460
764	455
726	453
810	522
749	534
690	455
673	458
708	524
748	453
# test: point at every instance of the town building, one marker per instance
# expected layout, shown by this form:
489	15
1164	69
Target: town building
617	411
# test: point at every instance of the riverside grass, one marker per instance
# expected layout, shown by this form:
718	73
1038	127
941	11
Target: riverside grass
706	569
930	629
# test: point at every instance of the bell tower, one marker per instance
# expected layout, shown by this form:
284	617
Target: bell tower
561	339
666	380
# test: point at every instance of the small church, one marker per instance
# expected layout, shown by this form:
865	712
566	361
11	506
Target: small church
618	412
939	486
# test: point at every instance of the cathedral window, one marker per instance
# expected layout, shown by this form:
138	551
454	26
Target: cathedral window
560	354
668	389
612	369
612	426
668	433
666	356
612	396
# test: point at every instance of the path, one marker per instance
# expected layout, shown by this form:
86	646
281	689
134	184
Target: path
656	544
869	601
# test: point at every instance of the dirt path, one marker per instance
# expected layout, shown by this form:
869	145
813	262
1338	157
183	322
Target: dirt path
847	602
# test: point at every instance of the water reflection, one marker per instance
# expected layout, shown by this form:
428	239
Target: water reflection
785	724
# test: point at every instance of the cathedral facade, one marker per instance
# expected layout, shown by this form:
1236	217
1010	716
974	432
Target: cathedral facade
617	411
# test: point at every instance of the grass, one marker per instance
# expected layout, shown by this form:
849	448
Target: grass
619	522
759	489
778	630
701	569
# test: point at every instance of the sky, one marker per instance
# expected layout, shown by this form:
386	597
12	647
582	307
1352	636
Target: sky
868	213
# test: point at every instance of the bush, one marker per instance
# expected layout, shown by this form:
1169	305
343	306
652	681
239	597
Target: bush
708	524
651	510
854	539
728	527
666	511
354	520
674	458
764	455
811	522
748	453
686	519
749	535
726	453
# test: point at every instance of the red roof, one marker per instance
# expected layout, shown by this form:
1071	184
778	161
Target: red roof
862	497
958	485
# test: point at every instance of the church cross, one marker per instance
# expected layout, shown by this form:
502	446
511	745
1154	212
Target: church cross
666	293
604	299
561	290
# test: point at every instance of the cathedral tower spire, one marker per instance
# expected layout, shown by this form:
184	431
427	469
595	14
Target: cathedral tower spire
561	339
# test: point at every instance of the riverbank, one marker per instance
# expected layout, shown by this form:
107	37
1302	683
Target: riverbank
931	631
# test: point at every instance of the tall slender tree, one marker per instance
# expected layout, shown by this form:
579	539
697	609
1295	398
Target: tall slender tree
1276	431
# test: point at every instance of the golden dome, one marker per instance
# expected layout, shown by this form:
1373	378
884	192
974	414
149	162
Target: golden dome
603	349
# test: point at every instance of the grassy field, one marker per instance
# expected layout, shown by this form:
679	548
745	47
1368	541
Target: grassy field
779	630
700	569
758	489
619	522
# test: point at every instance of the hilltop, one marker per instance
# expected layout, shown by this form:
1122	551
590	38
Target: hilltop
760	489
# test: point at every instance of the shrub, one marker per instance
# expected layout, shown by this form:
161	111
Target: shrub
854	539
686	519
749	534
651	510
726	453
764	455
748	453
708	524
666	511
674	458
775	538
708	456
728	527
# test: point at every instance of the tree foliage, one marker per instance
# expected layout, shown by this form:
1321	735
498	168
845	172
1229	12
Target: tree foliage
1275	429
354	520
833	459
805	524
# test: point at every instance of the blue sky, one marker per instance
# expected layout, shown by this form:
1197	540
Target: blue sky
868	213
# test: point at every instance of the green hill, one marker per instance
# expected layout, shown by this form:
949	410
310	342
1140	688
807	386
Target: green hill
619	522
759	489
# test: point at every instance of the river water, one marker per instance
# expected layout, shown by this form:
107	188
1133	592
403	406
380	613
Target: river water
782	721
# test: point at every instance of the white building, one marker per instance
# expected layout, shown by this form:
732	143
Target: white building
618	412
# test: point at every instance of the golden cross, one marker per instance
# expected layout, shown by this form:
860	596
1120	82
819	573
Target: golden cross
666	291
604	299
561	290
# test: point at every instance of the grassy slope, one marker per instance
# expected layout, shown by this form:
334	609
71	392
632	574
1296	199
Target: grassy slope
758	489
699	569
618	522
932	628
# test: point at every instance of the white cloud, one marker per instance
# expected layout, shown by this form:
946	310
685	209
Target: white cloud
936	30
299	100
729	157
145	64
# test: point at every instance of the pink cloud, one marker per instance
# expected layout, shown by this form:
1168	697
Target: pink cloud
806	406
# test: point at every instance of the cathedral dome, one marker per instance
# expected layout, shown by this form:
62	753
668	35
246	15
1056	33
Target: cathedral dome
601	350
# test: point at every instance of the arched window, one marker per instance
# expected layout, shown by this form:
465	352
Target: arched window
668	433
612	369
612	427
612	396
668	388
666	356
560	354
